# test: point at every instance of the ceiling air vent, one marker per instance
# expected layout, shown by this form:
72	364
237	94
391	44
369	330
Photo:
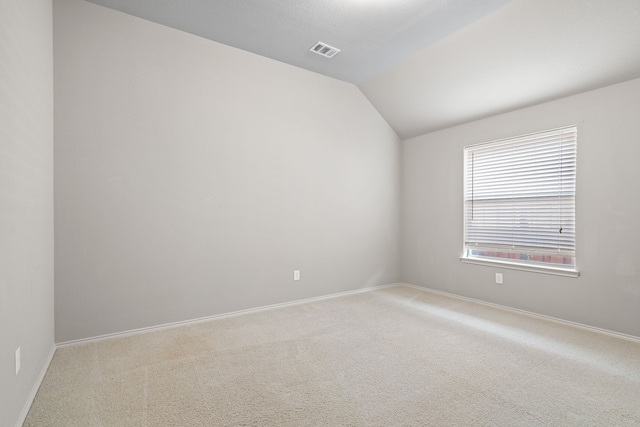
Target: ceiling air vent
324	50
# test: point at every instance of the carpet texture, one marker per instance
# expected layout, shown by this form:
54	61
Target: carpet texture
390	357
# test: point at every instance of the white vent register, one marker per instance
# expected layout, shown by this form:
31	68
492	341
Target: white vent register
324	50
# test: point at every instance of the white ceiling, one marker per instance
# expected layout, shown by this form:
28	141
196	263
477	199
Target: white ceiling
428	64
526	53
371	34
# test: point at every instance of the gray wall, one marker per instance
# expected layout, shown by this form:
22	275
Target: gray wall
607	295
192	178
26	199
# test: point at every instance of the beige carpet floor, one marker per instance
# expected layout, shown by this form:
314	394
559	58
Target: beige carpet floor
391	357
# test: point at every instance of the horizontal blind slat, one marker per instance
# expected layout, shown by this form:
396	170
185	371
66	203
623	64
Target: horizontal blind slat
520	193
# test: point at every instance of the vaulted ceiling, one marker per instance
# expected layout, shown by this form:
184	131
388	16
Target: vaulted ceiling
428	64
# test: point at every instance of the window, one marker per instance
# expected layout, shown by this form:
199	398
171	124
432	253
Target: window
519	201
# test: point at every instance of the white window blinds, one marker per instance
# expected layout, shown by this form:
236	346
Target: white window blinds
520	198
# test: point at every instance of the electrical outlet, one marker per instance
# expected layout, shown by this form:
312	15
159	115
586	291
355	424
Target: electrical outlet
17	360
296	274
499	278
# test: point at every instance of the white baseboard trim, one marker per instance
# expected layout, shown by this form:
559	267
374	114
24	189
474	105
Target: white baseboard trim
336	295
219	316
528	313
27	405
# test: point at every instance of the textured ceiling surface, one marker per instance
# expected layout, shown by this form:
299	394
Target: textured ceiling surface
428	64
526	53
371	34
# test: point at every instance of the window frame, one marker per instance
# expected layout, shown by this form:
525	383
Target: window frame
509	263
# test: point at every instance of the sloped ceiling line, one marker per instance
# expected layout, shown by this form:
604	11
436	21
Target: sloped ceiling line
428	64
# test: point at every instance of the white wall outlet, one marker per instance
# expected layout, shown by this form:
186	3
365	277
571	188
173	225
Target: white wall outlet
499	278
17	360
296	274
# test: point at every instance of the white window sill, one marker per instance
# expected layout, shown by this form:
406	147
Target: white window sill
523	267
